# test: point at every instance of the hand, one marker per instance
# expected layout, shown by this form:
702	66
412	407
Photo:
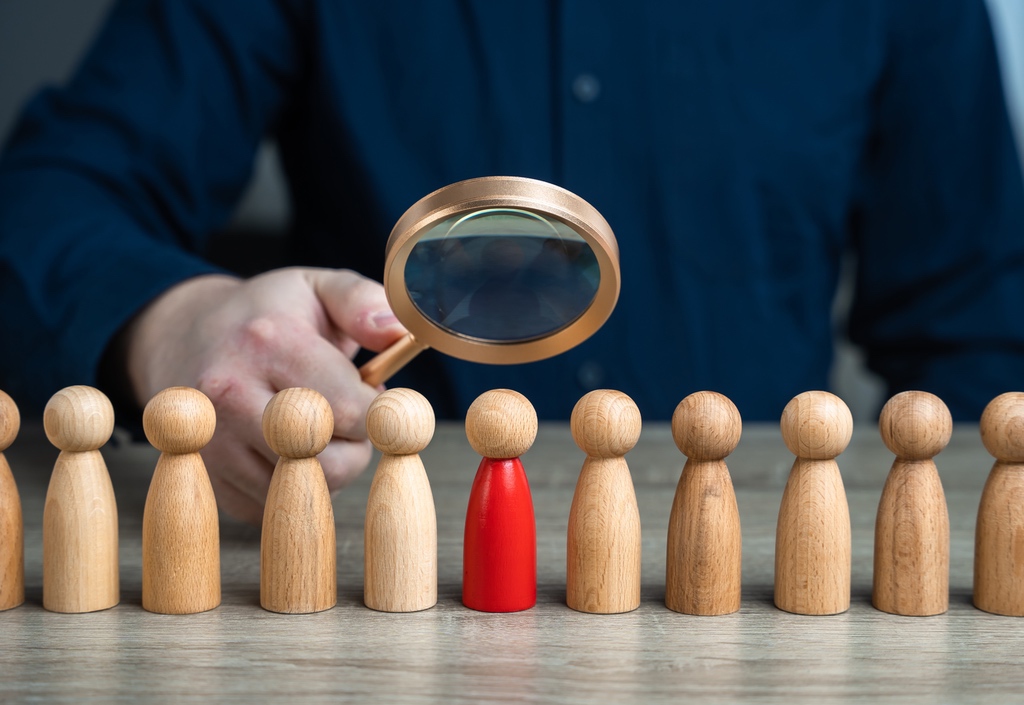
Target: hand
241	341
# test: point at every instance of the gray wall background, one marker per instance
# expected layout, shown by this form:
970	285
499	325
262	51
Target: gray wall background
41	40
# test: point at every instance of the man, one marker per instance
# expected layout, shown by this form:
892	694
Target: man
737	149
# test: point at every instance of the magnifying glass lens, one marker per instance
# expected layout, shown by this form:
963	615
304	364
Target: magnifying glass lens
502	275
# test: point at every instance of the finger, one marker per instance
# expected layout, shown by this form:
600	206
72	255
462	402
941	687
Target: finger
242	467
344	461
239	402
279	352
305	359
235	503
357	306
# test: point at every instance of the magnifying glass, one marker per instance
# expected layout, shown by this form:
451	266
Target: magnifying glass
500	270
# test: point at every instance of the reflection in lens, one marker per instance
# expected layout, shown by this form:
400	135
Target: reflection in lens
502	274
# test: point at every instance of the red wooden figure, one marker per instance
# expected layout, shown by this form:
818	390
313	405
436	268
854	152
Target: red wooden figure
500	549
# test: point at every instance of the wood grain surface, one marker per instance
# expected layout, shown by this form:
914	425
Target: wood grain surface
450	654
180	526
400	531
603	545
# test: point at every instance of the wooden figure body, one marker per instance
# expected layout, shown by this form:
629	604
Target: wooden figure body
80	549
812	541
704	561
180	527
912	526
298	560
603	540
400	556
499	568
998	554
12	529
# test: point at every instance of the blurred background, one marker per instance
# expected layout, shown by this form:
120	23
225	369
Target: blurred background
41	40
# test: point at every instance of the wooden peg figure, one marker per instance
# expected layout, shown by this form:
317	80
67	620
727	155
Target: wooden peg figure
400	556
499	562
180	528
812	541
998	559
12	529
912	526
603	540
80	550
704	561
298	563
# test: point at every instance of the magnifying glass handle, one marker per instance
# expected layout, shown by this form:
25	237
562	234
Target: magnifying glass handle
380	369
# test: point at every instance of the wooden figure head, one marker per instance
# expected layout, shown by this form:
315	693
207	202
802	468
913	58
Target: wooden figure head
915	425
400	422
1002	427
10	421
501	424
817	425
706	426
605	424
298	423
179	420
78	418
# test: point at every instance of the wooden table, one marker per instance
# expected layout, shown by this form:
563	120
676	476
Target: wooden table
549	653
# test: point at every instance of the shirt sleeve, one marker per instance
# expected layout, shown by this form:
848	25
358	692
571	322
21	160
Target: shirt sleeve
110	186
939	231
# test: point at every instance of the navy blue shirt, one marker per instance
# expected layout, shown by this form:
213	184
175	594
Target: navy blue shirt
737	149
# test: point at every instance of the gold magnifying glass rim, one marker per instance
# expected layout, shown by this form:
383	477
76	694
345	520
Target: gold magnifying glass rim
511	192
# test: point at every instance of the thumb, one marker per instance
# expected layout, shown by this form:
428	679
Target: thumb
357	306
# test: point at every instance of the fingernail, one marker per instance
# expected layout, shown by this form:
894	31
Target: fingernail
384	319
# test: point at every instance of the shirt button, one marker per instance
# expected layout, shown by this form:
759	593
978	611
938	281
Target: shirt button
590	375
586	88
